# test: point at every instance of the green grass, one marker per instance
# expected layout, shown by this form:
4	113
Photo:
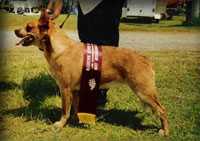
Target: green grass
12	21
30	102
174	25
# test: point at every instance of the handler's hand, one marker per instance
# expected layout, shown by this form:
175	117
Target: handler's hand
50	14
54	8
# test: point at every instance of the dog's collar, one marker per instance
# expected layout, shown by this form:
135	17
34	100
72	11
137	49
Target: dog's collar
45	40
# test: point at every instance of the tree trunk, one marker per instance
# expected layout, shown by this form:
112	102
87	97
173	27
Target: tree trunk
195	9
189	12
192	11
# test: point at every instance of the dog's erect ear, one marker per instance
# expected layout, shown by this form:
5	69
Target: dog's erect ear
44	21
44	15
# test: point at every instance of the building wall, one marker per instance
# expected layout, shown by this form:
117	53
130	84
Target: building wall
25	3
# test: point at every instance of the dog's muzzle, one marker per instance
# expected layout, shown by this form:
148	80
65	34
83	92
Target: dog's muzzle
26	39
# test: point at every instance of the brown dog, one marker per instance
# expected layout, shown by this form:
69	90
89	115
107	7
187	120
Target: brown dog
65	58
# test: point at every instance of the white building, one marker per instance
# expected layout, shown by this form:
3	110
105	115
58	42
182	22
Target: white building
26	7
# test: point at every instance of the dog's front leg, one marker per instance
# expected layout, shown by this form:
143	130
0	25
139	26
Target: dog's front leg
66	106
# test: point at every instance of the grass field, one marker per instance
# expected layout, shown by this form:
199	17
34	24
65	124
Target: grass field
12	21
30	102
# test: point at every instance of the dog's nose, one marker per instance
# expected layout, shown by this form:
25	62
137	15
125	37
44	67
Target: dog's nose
18	33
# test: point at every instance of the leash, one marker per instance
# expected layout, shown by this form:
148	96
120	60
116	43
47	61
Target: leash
68	15
61	26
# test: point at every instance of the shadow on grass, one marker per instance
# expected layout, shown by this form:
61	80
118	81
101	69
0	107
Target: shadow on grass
4	86
37	89
137	20
124	118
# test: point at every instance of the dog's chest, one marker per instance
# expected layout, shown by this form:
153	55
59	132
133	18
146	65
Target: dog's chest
56	71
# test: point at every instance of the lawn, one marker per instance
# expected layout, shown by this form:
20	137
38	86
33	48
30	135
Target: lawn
30	102
12	21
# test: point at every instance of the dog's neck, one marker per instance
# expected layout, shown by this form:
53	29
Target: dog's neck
56	43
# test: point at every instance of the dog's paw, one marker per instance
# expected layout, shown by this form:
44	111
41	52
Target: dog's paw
59	124
163	132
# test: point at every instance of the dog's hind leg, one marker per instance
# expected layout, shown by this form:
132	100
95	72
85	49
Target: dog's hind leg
153	102
148	95
66	106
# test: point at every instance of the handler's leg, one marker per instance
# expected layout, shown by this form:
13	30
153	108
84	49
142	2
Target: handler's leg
101	25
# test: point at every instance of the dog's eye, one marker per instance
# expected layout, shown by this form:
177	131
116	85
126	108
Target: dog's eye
28	28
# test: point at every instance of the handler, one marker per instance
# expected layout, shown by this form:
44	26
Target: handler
98	23
98	20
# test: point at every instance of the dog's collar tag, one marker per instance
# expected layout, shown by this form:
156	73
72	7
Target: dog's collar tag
90	79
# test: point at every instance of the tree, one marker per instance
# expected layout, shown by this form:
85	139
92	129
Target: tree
192	11
189	12
195	8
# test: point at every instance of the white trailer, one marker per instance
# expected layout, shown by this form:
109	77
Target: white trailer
26	7
144	8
